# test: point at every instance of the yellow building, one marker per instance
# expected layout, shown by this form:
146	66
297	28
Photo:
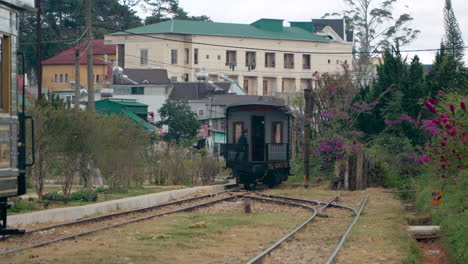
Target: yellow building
58	72
265	57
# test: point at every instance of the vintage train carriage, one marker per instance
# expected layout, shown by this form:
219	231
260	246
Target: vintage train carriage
12	122
265	157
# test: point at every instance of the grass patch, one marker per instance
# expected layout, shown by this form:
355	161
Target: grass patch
451	215
226	238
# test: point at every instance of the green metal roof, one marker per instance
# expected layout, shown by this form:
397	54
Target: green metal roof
128	103
263	28
139	120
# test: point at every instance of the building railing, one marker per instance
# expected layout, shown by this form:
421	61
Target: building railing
272	151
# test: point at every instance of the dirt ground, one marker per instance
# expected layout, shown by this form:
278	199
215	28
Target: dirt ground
227	235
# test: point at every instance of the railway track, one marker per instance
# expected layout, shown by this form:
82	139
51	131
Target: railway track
59	232
319	251
68	230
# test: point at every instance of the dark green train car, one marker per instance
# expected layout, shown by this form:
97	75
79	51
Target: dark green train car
258	148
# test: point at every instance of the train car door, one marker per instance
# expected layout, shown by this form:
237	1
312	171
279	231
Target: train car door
258	138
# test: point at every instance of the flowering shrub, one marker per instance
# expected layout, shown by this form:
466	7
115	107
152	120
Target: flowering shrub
446	154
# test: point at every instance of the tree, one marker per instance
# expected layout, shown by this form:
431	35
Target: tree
178	116
395	99
453	40
375	27
163	10
63	22
447	74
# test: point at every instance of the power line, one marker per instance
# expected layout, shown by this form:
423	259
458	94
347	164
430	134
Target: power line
262	49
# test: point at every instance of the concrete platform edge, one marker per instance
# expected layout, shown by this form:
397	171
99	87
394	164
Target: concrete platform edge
77	212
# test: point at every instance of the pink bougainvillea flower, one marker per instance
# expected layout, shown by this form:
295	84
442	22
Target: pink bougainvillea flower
459	166
463	106
424	159
438	95
432	101
430	107
333	88
389	89
391	122
443	144
452	108
408	118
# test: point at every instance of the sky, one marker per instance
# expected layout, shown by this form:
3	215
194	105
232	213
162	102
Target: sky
427	14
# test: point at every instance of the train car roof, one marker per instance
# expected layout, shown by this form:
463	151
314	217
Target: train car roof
255	100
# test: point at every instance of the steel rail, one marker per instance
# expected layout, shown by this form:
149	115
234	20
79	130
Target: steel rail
139	210
117	225
343	238
332	200
271	248
307	201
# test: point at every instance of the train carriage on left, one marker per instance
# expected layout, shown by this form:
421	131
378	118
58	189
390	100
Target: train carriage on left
12	121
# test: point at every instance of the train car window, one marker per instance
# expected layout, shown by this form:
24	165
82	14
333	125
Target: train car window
277	132
238	128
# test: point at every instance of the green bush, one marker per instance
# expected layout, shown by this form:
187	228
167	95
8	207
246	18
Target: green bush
20	205
84	195
101	190
54	196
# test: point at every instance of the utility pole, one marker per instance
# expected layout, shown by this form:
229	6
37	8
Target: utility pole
77	78
38	47
89	38
307	131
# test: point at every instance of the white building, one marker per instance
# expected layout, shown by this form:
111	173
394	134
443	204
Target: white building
264	57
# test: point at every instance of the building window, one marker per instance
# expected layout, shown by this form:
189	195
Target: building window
144	57
250	60
174	79
265	87
207	56
231	58
219	57
187	56
269	60
346	62
56	80
69	99
238	128
195	56
138	90
61	78
277	132
201	112
66	77
289	61
97	78
174	56
306	61
121	55
246	86
337	61
329	61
